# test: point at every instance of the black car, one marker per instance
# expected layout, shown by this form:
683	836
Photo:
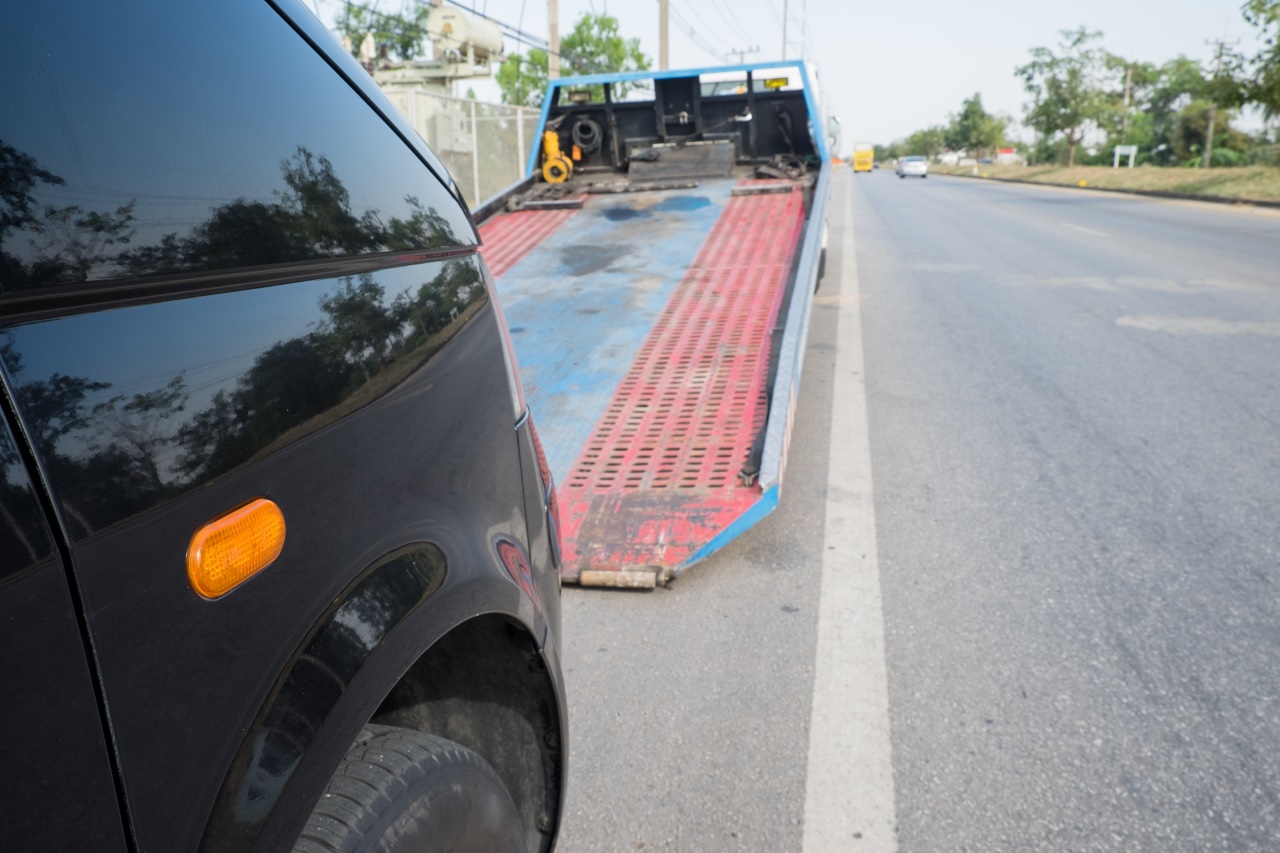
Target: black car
277	549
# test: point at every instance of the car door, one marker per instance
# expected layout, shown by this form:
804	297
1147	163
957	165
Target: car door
224	277
56	786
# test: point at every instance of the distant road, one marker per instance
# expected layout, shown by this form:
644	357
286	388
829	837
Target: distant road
1074	406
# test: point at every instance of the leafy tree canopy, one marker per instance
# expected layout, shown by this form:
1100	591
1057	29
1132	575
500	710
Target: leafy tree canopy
928	142
594	47
400	35
1068	87
1263	88
523	78
974	129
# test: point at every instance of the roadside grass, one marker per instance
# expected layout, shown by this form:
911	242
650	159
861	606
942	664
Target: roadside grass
1256	183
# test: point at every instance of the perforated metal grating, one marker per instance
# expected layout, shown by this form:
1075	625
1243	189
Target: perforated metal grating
683	420
511	236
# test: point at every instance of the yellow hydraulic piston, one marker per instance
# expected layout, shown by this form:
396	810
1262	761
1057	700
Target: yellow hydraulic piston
556	168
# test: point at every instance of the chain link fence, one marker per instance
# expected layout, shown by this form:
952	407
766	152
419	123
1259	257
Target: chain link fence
485	146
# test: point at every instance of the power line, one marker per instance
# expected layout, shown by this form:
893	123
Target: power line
731	20
688	30
773	10
511	32
714	32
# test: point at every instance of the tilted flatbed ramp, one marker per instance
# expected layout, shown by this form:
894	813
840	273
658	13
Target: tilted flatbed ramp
659	322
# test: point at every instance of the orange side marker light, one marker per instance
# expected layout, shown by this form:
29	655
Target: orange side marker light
229	550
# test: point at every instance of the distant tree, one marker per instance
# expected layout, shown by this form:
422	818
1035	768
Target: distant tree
929	142
424	227
1225	90
311	217
1263	85
134	429
19	174
398	36
974	129
318	206
594	47
358	324
70	242
54	407
1067	87
887	152
523	78
1158	96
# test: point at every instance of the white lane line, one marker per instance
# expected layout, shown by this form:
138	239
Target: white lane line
1090	231
849	800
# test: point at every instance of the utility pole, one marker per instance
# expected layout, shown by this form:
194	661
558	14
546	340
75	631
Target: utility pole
662	35
804	27
1207	160
1128	83
553	39
742	54
784	29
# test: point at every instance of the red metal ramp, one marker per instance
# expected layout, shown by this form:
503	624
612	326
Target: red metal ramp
510	237
656	486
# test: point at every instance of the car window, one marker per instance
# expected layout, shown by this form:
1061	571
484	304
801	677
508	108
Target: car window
216	138
132	421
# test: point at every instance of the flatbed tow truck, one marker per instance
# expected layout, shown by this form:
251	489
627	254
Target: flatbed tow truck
657	267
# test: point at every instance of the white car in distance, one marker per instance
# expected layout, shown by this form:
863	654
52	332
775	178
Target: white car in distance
913	166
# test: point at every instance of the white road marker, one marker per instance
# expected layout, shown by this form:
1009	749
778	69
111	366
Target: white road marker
849	798
1090	231
1199	326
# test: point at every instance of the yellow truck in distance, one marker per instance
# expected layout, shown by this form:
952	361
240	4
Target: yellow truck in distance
864	157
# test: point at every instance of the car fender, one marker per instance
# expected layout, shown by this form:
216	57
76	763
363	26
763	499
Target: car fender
351	659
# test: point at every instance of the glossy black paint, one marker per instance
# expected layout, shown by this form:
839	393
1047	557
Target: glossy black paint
52	731
422	450
225	281
345	638
127	412
184	157
543	537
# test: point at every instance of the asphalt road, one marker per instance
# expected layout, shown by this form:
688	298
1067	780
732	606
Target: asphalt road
1074	440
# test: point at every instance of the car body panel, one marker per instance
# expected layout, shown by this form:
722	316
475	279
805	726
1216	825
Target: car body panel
220	284
49	715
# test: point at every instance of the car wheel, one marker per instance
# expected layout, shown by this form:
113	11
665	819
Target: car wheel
399	790
901	176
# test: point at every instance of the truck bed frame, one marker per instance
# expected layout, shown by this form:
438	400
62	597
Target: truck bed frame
659	300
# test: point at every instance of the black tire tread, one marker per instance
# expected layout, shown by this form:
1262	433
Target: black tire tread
383	762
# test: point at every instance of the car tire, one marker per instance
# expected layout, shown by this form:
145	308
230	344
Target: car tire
401	790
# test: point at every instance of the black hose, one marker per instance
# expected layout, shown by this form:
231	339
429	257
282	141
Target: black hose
587	135
785	127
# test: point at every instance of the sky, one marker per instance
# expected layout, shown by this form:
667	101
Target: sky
888	69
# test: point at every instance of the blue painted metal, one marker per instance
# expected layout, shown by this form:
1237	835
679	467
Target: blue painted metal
630	76
767	503
816	130
786	386
581	303
531	165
